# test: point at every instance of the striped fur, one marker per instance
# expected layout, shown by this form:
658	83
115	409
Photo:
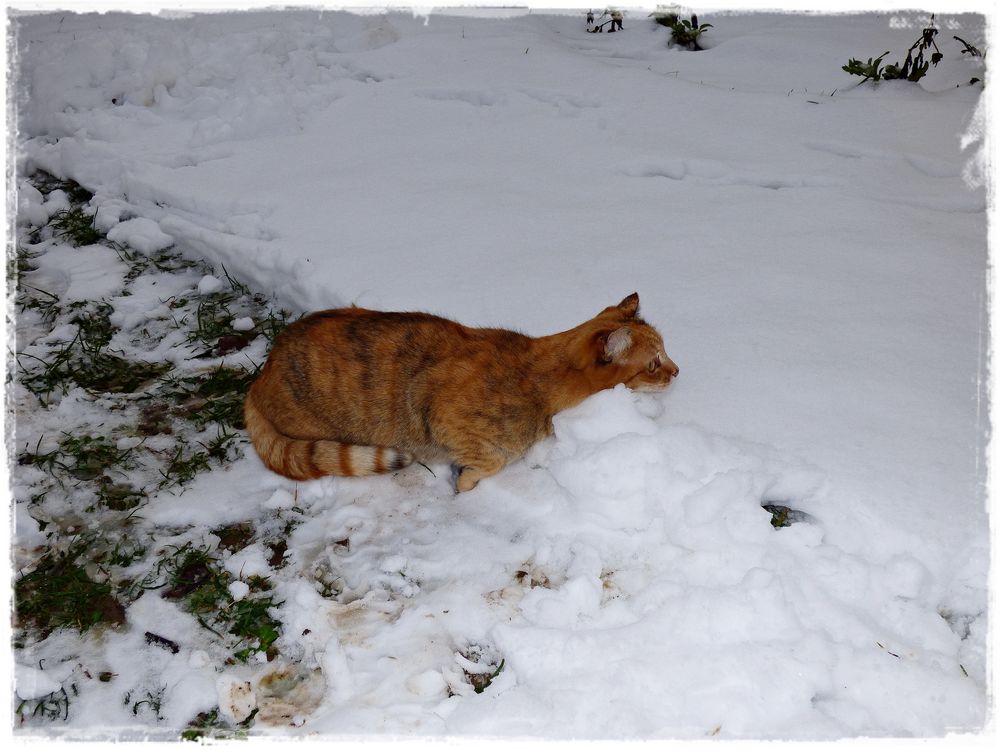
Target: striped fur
311	459
340	383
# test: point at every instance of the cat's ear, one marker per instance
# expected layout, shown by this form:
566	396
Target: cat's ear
630	305
614	345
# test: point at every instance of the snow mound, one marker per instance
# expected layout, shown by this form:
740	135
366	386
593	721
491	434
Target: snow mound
630	551
31	683
143	234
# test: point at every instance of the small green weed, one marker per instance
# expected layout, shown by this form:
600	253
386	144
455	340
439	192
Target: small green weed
223	446
84	458
782	515
241	289
194	576
779	515
249	620
869	71
684	33
150	702
482	655
109	373
93	321
480	682
45	461
914	66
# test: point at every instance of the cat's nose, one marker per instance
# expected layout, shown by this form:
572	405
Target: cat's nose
673	369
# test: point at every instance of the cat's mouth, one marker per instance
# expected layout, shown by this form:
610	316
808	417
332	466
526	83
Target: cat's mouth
653	387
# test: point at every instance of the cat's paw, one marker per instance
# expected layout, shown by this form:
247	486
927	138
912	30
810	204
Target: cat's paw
466	480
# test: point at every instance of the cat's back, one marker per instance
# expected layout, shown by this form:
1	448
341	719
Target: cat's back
372	377
373	337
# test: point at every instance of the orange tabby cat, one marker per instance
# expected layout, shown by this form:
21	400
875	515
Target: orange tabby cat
353	392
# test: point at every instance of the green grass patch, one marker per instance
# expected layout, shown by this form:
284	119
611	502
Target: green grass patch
162	261
98	372
147	701
194	577
84	458
47	183
84	360
782	515
183	465
273	323
213	396
46	304
51	707
235	536
250	621
90	456
120	496
93	322
125	553
22	262
208	724
77	226
212	319
486	656
60	593
194	422
205	724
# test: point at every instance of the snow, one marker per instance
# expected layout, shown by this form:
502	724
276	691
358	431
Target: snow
209	285
238	590
81	273
31	683
142	234
813	252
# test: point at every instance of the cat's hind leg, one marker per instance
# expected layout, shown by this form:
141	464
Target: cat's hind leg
471	471
474	455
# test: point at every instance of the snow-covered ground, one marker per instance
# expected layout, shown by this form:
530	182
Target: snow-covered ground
813	251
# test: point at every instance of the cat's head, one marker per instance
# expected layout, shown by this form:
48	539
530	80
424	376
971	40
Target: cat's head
626	349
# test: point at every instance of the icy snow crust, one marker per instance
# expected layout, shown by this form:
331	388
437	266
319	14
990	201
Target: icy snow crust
810	251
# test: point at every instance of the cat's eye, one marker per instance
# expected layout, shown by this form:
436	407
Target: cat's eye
653	364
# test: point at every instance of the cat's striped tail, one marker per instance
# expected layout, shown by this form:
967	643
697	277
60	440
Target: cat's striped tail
311	459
